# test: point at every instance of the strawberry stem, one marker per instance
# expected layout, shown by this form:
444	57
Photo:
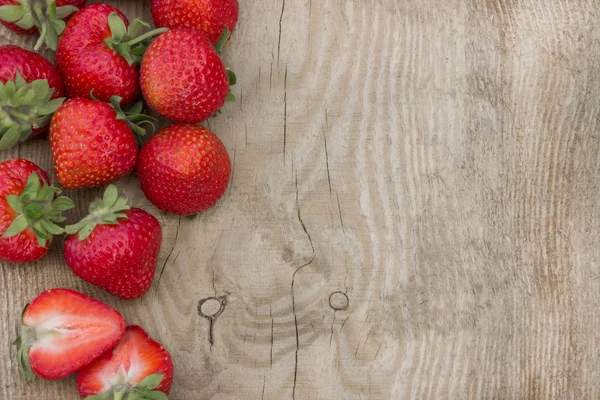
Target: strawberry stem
145	36
133	117
126	41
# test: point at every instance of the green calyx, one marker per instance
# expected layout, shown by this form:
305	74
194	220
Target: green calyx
102	211
232	78
127	41
23	107
123	391
133	116
42	14
37	208
24	342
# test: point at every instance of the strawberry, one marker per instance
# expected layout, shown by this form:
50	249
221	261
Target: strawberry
137	368
92	142
99	51
27	17
62	331
183	78
29	211
30	92
184	169
210	17
112	224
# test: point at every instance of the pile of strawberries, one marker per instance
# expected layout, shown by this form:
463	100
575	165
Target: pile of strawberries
87	101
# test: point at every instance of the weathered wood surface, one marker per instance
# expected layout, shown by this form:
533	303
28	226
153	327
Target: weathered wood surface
436	161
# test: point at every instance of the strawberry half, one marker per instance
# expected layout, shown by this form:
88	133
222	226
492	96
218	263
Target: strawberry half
99	51
137	368
112	224
62	331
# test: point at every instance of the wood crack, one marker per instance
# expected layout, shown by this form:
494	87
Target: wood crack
232	169
272	336
340	213
293	282
280	21
327	161
284	113
169	256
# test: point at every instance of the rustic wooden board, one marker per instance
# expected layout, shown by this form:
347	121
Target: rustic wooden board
438	162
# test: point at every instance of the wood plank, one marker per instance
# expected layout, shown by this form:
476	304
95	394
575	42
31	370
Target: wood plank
434	163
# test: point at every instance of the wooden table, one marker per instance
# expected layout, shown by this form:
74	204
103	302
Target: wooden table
413	212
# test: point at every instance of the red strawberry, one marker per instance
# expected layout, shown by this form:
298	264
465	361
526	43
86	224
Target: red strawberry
27	17
30	91
210	17
183	78
29	211
62	331
115	247
137	366
92	142
98	51
184	169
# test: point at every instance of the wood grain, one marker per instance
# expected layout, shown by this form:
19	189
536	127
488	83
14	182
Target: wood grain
437	162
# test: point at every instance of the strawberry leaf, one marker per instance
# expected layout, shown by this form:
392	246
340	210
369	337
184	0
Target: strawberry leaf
63	204
111	194
232	77
11	13
37	208
15	203
222	39
106	210
10	138
151	381
154	395
18	225
117	27
64	11
99	396
23	107
127	41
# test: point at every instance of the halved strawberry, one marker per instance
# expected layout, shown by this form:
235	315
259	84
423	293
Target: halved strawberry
62	331
137	368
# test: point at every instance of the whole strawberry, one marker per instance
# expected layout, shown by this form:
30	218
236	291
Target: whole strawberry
30	92
92	142
27	17
183	78
115	247
29	211
62	331
210	17
184	169
98	51
137	368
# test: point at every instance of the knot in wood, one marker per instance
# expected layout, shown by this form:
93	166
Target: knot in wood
211	307
338	301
